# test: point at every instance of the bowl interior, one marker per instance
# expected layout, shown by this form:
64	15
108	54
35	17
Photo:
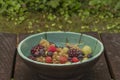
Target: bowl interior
60	38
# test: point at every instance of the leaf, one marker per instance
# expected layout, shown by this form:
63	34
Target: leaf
117	6
53	24
94	2
86	13
42	6
17	6
69	21
53	3
21	18
3	8
44	1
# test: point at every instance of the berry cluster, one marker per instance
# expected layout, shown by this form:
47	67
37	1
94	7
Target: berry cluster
48	52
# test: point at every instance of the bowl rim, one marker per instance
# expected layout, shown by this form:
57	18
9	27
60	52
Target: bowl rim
48	64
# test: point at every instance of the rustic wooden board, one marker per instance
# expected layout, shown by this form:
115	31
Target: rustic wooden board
4	76
100	72
112	51
22	71
7	50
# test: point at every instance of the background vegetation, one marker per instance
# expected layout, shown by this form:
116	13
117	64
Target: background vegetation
28	16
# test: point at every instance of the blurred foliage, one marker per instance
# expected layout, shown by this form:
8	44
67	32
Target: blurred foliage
68	15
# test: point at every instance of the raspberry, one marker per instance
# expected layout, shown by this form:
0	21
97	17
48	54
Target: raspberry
48	59
63	59
51	48
75	59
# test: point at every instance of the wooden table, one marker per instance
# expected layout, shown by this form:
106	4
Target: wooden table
12	67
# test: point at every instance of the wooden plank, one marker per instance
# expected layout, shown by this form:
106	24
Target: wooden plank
22	71
100	71
7	48
4	76
112	50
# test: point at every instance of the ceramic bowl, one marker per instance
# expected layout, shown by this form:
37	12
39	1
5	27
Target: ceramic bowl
60	71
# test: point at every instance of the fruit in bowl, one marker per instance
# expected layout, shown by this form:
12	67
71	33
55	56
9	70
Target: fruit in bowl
60	55
50	53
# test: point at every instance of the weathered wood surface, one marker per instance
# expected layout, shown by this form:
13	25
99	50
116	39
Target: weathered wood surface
7	53
112	53
107	68
100	71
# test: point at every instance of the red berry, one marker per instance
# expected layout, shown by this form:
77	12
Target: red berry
75	59
52	48
48	59
63	59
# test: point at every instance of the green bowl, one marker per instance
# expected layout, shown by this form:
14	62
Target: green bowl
61	71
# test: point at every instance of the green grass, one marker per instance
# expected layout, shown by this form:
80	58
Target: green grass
37	22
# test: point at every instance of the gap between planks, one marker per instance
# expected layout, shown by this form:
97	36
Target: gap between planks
14	60
106	59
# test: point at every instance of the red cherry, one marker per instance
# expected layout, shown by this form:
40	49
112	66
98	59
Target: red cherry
75	59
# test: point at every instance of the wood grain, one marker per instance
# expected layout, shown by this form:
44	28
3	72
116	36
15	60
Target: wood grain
7	48
112	50
100	70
